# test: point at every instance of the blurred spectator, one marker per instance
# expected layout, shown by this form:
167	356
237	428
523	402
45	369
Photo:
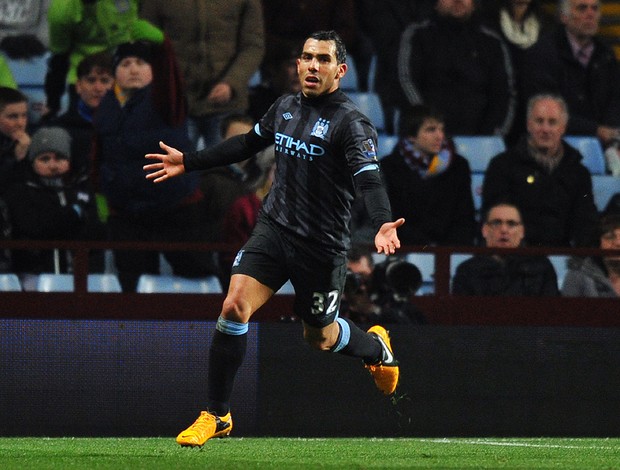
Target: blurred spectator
545	177
78	28
505	274
130	121
223	185
21	17
453	63
219	45
95	77
384	22
52	202
428	183
288	24
14	136
597	276
382	292
6	232
577	65
240	218
278	77
520	23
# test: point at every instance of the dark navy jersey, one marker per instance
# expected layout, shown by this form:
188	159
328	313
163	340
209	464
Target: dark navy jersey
320	145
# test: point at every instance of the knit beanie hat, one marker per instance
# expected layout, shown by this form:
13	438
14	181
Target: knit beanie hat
140	49
50	139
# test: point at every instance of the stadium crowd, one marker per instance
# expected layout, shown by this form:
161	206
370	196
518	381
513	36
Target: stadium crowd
120	76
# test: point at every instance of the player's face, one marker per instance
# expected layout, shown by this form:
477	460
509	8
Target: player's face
50	165
133	73
503	228
546	125
318	69
13	118
92	87
430	137
582	18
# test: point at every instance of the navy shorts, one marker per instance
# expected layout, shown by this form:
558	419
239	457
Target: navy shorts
272	256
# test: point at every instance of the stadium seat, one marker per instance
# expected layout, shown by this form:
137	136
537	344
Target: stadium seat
603	188
369	103
559	264
476	190
29	74
425	262
169	284
9	282
350	81
386	144
286	289
456	259
590	148
49	282
479	149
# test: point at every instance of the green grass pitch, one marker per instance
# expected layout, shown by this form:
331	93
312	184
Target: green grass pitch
311	453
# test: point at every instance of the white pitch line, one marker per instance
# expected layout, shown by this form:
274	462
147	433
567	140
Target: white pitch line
514	444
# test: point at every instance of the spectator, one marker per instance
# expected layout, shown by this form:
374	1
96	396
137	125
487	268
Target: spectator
288	23
453	63
219	44
129	122
223	185
14	136
78	28
52	202
597	276
505	274
240	218
380	292
279	76
520	23
545	177
6	75
385	21
95	77
573	63
428	183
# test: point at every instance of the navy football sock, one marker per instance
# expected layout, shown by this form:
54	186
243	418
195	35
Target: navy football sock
353	341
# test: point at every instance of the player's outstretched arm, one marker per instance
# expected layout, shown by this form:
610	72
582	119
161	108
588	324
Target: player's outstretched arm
386	240
166	165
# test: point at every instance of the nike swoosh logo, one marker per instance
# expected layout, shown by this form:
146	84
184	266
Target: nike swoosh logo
390	357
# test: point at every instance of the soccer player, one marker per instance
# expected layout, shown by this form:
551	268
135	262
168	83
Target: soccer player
324	148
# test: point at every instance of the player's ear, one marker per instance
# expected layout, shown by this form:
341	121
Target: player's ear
342	70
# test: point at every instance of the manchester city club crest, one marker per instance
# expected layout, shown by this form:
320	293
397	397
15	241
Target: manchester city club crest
320	128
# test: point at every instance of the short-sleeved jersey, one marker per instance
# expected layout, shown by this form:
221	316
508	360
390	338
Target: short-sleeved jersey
320	145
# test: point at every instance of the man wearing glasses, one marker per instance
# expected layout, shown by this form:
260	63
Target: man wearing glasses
501	274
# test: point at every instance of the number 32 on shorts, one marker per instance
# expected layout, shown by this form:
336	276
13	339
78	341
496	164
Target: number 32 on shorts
324	303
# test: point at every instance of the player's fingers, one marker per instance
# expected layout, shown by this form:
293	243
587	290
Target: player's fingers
153	166
154	156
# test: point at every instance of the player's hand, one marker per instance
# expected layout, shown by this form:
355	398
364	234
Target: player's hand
386	240
168	165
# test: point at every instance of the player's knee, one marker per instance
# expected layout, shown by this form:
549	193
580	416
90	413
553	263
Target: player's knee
236	309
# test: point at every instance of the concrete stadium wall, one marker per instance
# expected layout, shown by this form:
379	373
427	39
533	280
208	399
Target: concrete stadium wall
148	378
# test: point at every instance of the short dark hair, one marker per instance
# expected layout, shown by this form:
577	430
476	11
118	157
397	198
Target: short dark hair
11	96
412	118
609	223
341	50
504	203
99	60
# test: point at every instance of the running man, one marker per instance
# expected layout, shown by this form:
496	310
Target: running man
324	149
